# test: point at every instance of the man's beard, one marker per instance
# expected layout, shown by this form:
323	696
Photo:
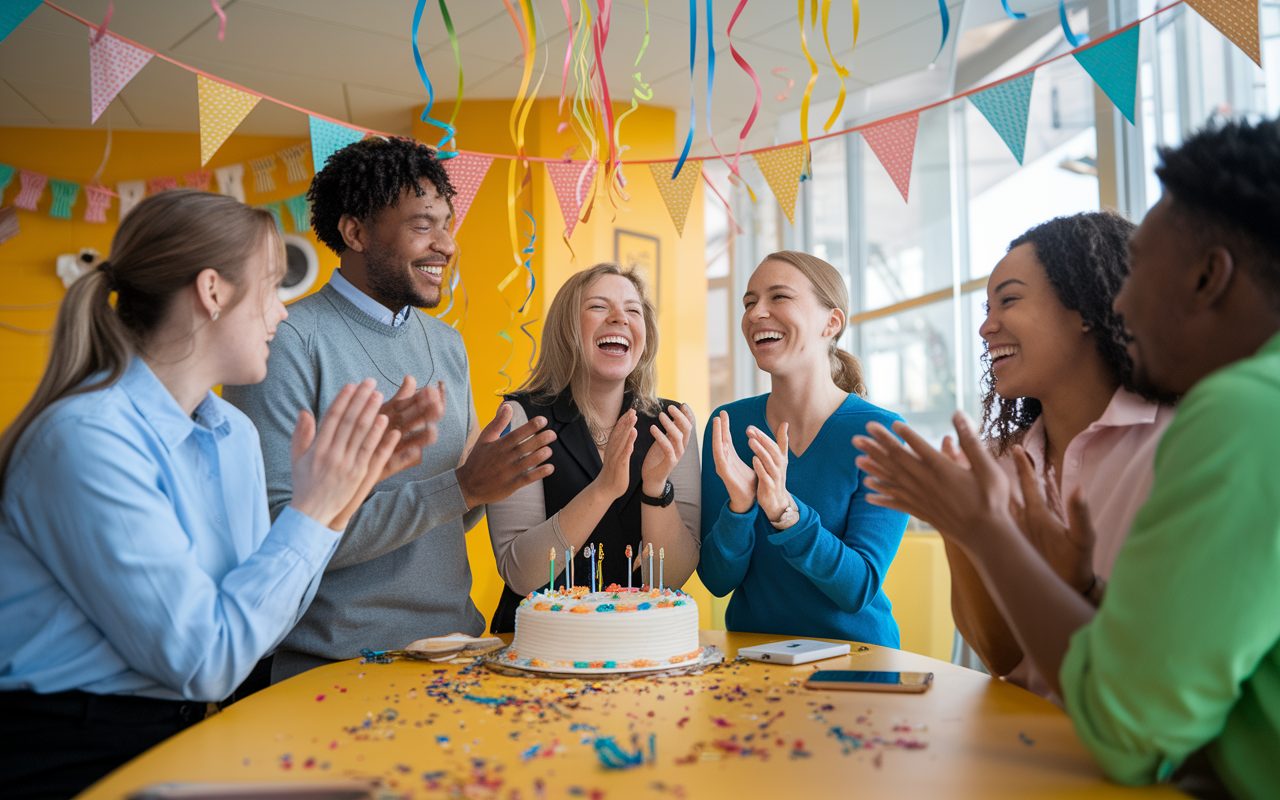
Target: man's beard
393	285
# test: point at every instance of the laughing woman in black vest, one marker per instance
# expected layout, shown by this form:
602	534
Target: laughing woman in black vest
625	462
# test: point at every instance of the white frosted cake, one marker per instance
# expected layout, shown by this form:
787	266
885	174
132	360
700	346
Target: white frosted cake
622	629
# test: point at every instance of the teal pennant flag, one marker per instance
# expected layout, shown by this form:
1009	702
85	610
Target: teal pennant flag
1006	106
13	12
64	197
300	212
328	138
1113	65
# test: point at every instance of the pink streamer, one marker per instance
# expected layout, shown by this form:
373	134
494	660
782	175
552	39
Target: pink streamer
742	62
790	82
102	29
222	28
568	54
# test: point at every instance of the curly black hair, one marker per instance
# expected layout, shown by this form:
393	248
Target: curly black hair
363	178
1086	258
1225	179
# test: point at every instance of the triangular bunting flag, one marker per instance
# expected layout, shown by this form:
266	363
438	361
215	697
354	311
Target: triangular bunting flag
263	180
13	12
678	193
295	162
64	197
112	64
1113	65
97	200
894	143
1236	19
222	109
466	172
33	184
572	182
781	168
1006	106
328	138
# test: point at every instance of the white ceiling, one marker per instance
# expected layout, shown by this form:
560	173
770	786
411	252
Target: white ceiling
353	60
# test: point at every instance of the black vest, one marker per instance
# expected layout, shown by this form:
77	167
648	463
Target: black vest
577	463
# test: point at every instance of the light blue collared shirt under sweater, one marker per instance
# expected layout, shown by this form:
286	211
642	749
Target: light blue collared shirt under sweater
366	303
136	552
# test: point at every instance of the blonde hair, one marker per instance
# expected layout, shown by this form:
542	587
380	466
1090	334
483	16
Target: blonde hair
829	288
159	249
562	363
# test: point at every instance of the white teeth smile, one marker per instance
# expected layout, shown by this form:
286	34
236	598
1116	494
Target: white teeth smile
432	270
764	335
997	353
603	340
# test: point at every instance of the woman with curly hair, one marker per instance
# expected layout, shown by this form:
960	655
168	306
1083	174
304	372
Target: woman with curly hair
1060	413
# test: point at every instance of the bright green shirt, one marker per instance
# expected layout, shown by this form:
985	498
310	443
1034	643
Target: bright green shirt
1185	650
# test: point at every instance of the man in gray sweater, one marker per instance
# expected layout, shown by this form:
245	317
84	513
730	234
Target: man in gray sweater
400	572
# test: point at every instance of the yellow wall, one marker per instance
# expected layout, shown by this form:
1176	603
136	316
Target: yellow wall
27	261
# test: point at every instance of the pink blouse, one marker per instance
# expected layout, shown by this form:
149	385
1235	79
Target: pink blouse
1112	460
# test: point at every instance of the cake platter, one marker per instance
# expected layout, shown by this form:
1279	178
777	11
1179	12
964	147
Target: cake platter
498	662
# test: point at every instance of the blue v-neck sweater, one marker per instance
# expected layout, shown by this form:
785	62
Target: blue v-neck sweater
822	576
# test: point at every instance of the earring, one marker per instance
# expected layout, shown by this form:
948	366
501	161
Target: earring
215	314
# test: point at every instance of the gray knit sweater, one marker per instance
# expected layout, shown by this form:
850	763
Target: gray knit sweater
400	572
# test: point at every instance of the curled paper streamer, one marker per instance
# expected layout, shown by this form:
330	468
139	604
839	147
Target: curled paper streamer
841	71
1075	41
457	57
1012	14
102	29
790	83
453	279
755	108
528	262
449	131
813	78
946	26
533	355
639	92
222	15
568	57
693	112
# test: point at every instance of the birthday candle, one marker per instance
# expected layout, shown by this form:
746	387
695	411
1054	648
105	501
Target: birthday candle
662	554
568	568
650	565
552	583
600	567
629	563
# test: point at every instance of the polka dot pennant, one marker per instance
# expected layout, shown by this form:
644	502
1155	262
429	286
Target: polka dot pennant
678	193
222	109
1005	106
782	167
894	143
328	138
112	64
1236	19
572	182
466	172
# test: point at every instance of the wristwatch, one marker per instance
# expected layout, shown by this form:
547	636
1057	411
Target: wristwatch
662	501
790	516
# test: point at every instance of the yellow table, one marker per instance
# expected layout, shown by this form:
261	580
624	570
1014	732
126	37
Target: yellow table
743	730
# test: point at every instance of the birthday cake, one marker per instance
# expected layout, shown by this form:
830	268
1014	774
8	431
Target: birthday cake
623	629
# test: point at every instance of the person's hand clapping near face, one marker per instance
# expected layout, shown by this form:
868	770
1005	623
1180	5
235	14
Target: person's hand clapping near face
499	464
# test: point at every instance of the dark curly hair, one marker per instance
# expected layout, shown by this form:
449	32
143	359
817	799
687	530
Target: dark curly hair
1225	181
363	178
1086	258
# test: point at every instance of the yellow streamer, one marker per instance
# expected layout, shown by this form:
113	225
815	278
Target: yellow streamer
841	71
813	78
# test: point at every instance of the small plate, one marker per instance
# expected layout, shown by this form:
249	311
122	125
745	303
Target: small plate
497	662
455	644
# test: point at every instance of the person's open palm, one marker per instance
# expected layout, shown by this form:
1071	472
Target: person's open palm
1066	546
739	479
615	468
669	443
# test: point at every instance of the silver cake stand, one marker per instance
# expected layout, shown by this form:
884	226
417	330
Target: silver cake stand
497	662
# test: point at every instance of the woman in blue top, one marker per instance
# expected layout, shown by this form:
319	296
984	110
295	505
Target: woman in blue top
140	573
792	535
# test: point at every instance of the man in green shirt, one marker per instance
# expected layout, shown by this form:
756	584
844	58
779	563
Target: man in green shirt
1180	664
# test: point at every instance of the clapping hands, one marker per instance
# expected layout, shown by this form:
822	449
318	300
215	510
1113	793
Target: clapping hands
765	481
669	443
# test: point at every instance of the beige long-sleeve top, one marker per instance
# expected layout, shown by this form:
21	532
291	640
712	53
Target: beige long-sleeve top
521	533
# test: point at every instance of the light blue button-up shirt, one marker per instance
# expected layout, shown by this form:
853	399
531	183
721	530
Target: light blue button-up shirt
136	552
366	303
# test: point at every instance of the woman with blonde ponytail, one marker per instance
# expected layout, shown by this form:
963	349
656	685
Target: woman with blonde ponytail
140	574
786	524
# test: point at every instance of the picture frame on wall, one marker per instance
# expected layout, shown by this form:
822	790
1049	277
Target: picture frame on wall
640	251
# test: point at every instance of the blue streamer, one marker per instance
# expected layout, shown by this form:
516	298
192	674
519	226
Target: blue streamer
534	353
946	26
528	251
693	113
1012	14
449	131
612	756
1075	41
711	63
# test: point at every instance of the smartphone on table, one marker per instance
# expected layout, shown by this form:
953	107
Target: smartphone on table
857	680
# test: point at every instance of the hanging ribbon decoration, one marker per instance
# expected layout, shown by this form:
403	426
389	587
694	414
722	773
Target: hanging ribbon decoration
1012	14
639	92
946	26
808	89
841	71
449	131
568	57
599	38
755	108
528	251
102	29
222	16
782	95
582	106
693	113
457	57
1075	41
711	76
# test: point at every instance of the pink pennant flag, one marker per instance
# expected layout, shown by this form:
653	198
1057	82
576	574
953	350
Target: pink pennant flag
158	185
33	184
572	182
466	173
112	64
894	143
98	199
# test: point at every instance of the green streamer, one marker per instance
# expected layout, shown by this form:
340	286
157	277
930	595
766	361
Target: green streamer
457	56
